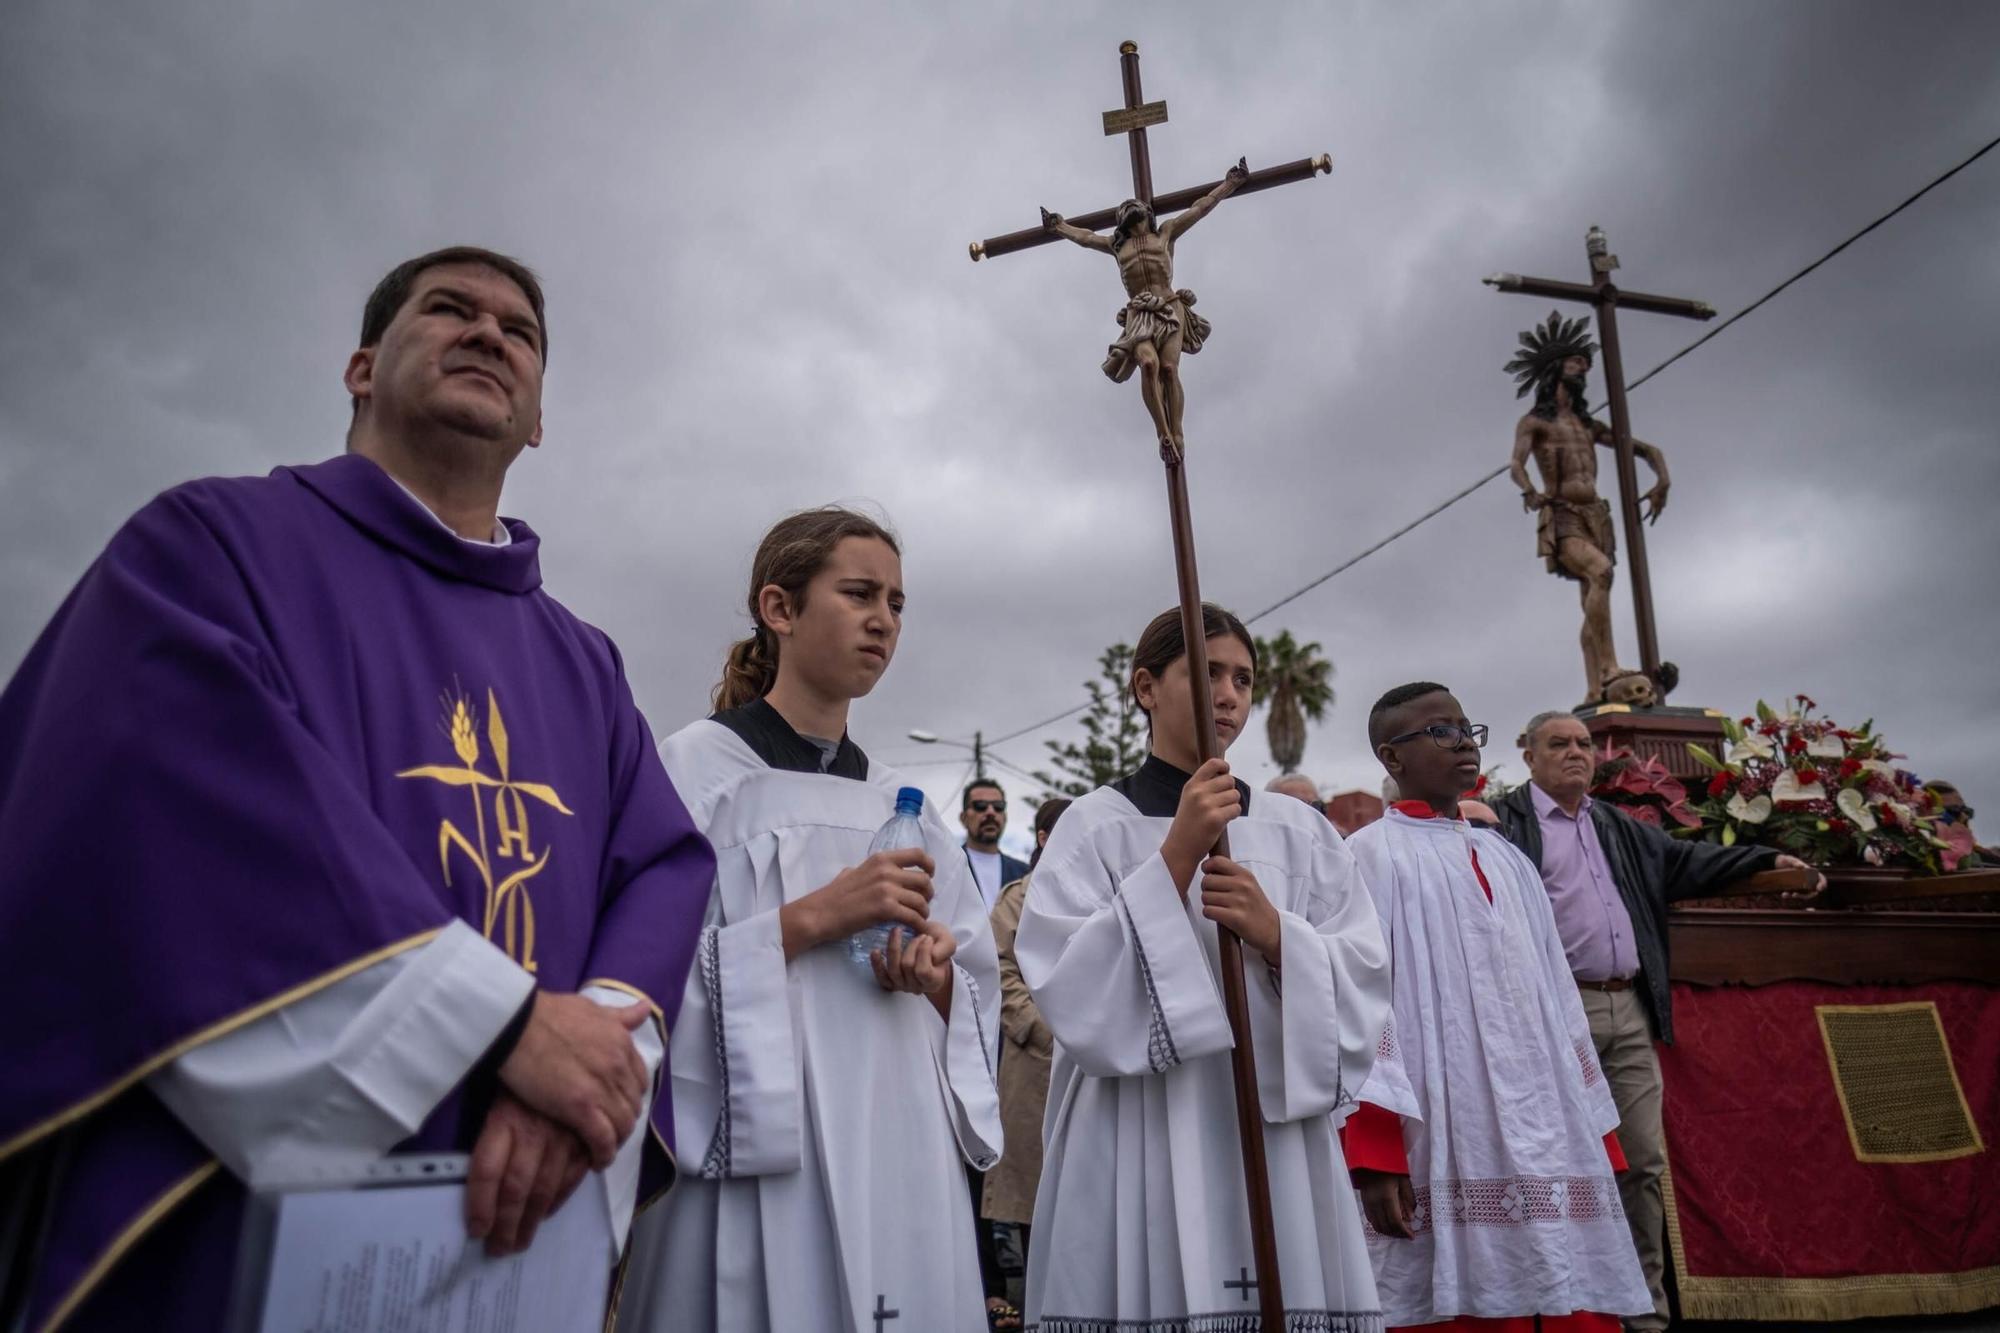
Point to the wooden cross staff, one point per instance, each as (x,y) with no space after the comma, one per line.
(1132,120)
(1604,294)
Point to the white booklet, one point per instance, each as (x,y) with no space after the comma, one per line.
(385,1251)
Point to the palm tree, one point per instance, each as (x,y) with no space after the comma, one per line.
(1295,680)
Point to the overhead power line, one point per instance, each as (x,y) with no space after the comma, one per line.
(1984,149)
(1433,512)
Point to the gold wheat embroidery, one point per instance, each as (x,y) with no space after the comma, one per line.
(508,906)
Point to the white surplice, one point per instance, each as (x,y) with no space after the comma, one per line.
(823,1124)
(1490,1062)
(1141,1221)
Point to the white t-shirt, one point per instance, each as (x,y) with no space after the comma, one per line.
(986,871)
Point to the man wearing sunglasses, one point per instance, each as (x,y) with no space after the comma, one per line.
(983,811)
(1610,879)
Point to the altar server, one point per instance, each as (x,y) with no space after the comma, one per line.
(828,1101)
(315,803)
(1483,1149)
(1141,1220)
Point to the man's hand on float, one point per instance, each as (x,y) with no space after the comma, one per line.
(1815,882)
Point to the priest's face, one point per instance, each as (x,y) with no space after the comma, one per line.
(842,639)
(1170,702)
(463,357)
(1561,758)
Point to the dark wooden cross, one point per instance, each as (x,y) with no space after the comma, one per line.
(1605,295)
(883,1314)
(1243,1283)
(1131,120)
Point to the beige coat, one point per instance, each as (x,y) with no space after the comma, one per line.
(1024,1074)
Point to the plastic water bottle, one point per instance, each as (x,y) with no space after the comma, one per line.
(903,831)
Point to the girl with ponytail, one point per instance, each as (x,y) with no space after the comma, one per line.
(819,1094)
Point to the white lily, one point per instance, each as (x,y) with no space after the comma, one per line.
(1789,788)
(1828,746)
(1754,810)
(1752,746)
(1855,806)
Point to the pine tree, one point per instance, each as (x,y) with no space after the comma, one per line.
(1114,733)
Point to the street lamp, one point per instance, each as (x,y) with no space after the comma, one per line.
(977,745)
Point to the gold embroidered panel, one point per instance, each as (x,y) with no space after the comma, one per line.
(1898,1089)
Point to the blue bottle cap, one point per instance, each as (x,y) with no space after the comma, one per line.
(909,800)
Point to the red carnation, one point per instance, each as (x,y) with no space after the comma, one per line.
(1849,768)
(1795,745)
(1749,722)
(1837,826)
(1718,784)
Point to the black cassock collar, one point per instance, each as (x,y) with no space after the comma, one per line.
(1155,788)
(765,731)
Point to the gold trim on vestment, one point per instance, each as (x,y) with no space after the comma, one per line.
(134,1231)
(79,1109)
(1865,1296)
(1861,1154)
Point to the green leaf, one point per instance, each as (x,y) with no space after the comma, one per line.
(1705,759)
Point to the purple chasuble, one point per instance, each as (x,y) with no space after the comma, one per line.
(286,726)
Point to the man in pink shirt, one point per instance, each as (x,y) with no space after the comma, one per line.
(1609,879)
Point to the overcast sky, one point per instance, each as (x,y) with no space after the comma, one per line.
(752,222)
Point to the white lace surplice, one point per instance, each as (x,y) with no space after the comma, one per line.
(825,1123)
(1490,1060)
(1141,1222)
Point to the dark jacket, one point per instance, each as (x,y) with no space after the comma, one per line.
(1010,870)
(1650,870)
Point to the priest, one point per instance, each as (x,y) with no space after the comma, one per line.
(1483,1148)
(330,832)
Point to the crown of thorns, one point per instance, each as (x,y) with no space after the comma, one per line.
(1546,346)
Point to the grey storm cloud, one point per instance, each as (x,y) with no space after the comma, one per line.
(752,223)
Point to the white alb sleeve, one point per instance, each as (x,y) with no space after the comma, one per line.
(333,1080)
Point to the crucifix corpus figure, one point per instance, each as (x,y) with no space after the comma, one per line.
(1574,533)
(1150,1051)
(1158,319)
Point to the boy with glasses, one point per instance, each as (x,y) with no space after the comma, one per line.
(1480,1146)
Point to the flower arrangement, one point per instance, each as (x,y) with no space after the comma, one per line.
(1645,790)
(1826,793)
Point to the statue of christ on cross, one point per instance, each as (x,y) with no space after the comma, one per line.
(1158,319)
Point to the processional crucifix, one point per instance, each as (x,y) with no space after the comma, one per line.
(1605,295)
(1158,327)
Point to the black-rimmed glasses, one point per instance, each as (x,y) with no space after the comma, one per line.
(998,807)
(1446,735)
